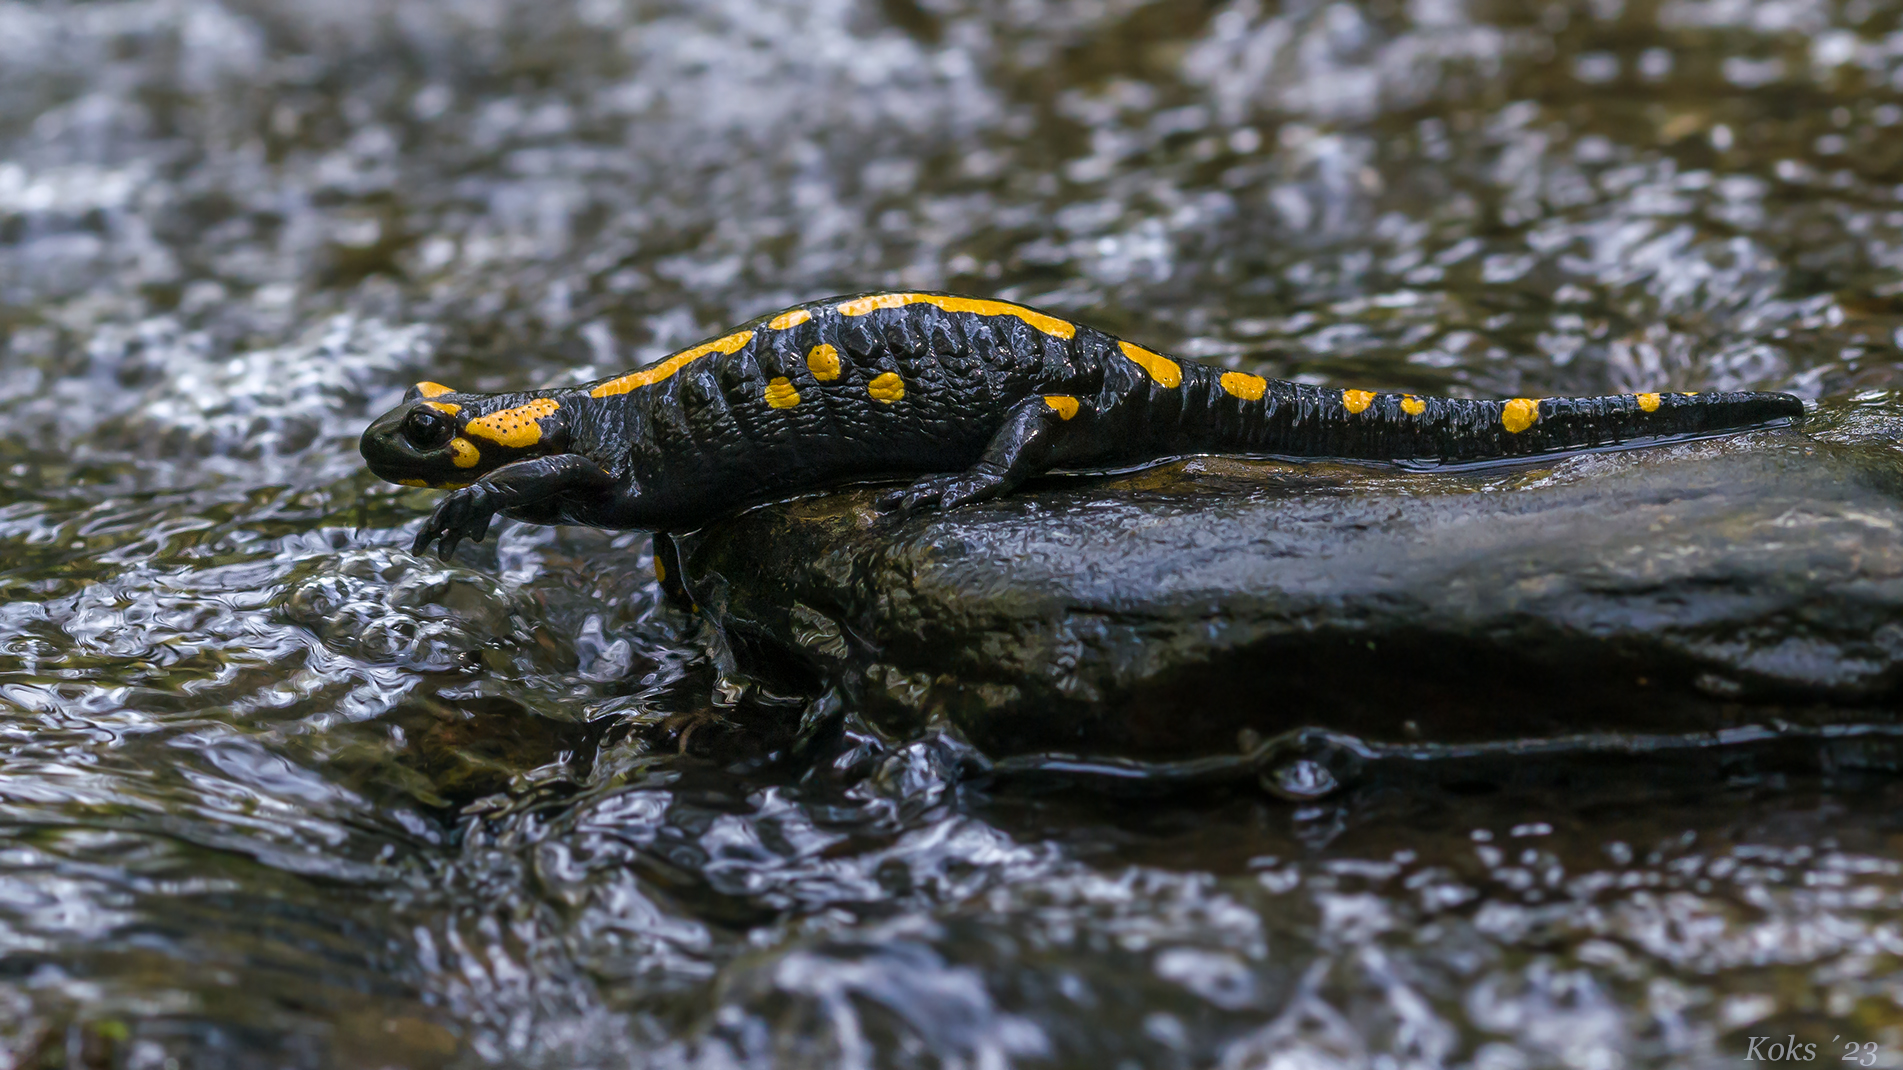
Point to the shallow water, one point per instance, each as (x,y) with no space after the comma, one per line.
(276,793)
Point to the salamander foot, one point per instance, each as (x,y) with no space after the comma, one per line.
(943,492)
(462,514)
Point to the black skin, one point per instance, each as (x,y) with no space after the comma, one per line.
(963,398)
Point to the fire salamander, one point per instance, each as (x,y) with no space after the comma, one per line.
(964,396)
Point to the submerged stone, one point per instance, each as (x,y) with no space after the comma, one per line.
(1200,607)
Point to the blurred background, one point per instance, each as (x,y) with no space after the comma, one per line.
(274,793)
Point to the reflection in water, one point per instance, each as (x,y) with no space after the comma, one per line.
(277,794)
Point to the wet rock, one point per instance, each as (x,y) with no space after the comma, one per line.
(1202,606)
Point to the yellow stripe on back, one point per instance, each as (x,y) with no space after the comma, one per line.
(1050,325)
(651,375)
(1243,385)
(1165,371)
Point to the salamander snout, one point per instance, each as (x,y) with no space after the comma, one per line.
(420,444)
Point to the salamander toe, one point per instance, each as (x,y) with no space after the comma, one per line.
(462,514)
(942,492)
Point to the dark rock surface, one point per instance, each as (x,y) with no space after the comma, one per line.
(1158,615)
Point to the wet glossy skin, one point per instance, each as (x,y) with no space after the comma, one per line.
(973,395)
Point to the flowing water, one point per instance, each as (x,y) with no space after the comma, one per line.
(275,793)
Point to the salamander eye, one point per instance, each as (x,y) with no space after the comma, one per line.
(426,430)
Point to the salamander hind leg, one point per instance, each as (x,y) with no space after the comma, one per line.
(1028,443)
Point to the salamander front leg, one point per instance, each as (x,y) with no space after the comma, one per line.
(465,513)
(1027,444)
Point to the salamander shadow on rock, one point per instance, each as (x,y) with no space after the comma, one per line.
(964,397)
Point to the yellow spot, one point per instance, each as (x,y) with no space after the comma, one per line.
(448,408)
(433,390)
(1048,324)
(514,428)
(451,486)
(780,393)
(1165,371)
(463,453)
(887,388)
(786,321)
(823,362)
(651,375)
(412,483)
(1519,414)
(1356,400)
(1412,405)
(1065,405)
(660,570)
(1243,385)
(1648,402)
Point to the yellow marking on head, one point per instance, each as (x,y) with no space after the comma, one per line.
(823,362)
(1412,405)
(412,482)
(447,408)
(1648,402)
(433,390)
(1165,371)
(780,393)
(1245,386)
(514,428)
(463,453)
(1065,405)
(651,375)
(1357,400)
(887,388)
(1050,325)
(786,321)
(1519,414)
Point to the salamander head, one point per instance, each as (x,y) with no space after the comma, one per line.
(440,438)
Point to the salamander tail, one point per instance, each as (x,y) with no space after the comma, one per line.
(1484,430)
(1293,419)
